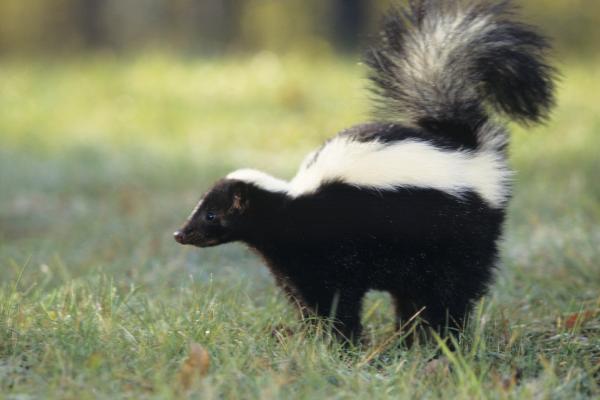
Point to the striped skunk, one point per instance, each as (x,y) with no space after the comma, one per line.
(414,203)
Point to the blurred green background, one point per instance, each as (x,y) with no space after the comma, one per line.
(115,116)
(201,27)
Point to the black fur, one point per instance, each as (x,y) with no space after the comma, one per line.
(433,251)
(427,248)
(390,133)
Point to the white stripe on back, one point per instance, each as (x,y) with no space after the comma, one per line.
(260,179)
(387,166)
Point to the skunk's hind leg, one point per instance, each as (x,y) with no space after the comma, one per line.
(447,321)
(408,315)
(417,320)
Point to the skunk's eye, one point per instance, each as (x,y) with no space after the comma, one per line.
(210,216)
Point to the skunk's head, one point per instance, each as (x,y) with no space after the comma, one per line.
(220,216)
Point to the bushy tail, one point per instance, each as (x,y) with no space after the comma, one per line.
(444,64)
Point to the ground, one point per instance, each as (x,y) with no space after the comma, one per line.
(101,159)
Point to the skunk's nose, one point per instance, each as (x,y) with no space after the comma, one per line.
(179,237)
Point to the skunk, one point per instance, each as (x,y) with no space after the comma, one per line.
(414,203)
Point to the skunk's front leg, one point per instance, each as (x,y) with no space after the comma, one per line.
(343,307)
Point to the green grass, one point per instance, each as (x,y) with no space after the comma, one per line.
(101,159)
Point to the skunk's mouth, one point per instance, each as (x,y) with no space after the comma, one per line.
(194,239)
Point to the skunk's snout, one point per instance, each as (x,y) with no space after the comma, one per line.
(179,237)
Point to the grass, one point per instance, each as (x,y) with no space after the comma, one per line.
(101,159)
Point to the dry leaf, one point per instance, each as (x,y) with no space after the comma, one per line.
(195,366)
(580,318)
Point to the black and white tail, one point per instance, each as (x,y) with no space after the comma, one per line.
(445,64)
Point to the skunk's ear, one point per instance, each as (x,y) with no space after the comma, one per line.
(239,196)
